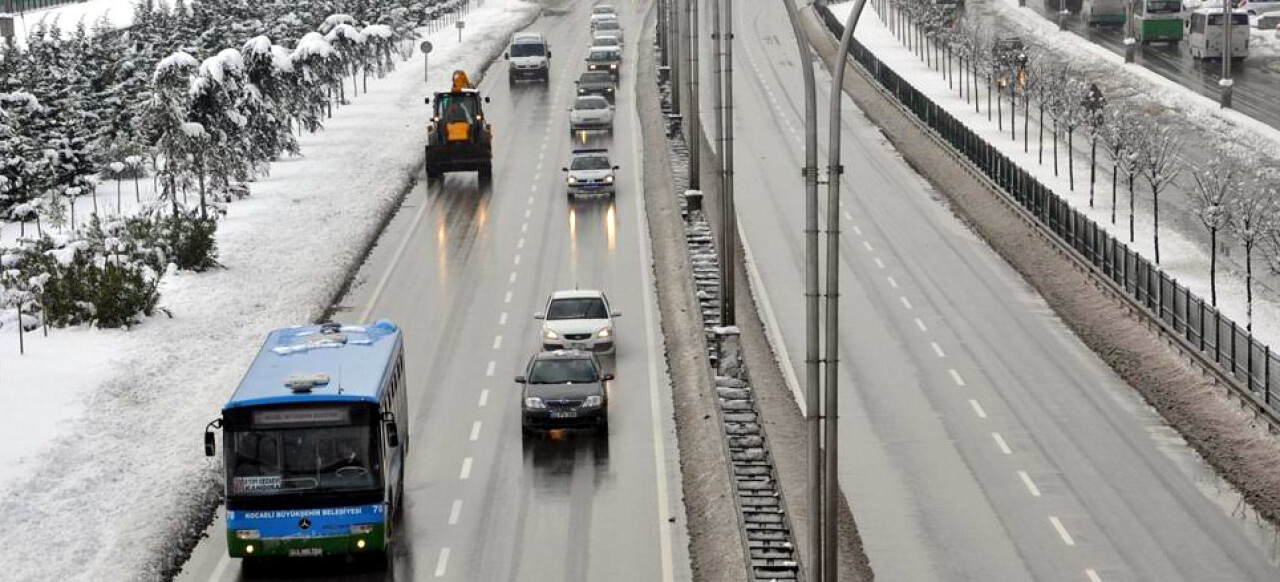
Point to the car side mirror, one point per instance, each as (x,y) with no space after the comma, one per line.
(486,99)
(209,446)
(615,314)
(577,82)
(539,315)
(607,377)
(393,436)
(521,380)
(564,169)
(427,100)
(568,109)
(616,168)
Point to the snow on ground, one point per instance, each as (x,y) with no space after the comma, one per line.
(118,12)
(103,459)
(1185,260)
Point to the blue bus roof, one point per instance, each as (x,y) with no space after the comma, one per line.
(354,359)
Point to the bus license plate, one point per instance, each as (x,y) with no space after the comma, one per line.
(306,552)
(565,414)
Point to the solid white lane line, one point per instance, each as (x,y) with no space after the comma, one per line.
(1004,447)
(977,409)
(507,298)
(867,245)
(512,278)
(492,366)
(517,260)
(442,564)
(484,397)
(920,324)
(475,431)
(937,349)
(497,342)
(465,473)
(520,243)
(1031,486)
(892,283)
(502,319)
(905,303)
(879,263)
(221,569)
(395,259)
(1062,531)
(455,512)
(956,377)
(1093,576)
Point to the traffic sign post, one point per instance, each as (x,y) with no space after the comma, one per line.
(425,47)
(460,24)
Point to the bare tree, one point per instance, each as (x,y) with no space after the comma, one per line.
(1095,112)
(1119,132)
(1214,198)
(1071,113)
(1159,164)
(1042,79)
(1253,219)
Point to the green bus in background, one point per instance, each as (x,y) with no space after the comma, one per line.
(1157,20)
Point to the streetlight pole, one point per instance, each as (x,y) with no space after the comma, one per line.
(675,39)
(730,205)
(1130,43)
(1225,82)
(717,113)
(693,115)
(811,345)
(832,422)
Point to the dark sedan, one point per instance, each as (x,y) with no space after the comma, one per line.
(596,83)
(564,389)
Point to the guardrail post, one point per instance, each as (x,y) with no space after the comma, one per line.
(1233,348)
(1266,375)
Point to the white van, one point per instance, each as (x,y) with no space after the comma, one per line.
(1205,37)
(530,57)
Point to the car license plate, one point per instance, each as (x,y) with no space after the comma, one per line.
(564,414)
(577,346)
(306,552)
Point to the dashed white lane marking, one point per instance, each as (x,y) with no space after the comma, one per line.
(517,260)
(905,303)
(977,409)
(955,376)
(520,243)
(937,349)
(465,473)
(497,342)
(455,512)
(542,154)
(484,398)
(528,212)
(475,431)
(879,263)
(1093,576)
(524,227)
(857,230)
(502,319)
(532,188)
(507,298)
(1062,531)
(920,324)
(529,201)
(536,175)
(512,278)
(1031,486)
(544,144)
(490,368)
(442,564)
(867,245)
(1004,447)
(848,216)
(892,283)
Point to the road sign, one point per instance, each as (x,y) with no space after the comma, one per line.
(460,24)
(425,47)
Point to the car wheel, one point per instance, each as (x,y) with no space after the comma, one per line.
(527,432)
(602,427)
(486,171)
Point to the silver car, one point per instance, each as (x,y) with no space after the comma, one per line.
(579,319)
(591,112)
(608,27)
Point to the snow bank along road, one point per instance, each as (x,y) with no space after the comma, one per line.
(981,440)
(462,268)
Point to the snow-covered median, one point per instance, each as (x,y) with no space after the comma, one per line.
(102,466)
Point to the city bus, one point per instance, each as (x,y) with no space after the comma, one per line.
(1157,20)
(314,444)
(1205,35)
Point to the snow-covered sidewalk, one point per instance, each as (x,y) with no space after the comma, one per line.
(1183,257)
(102,468)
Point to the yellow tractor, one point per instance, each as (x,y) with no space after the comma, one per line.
(459,138)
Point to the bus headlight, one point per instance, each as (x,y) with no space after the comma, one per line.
(362,529)
(247,534)
(359,544)
(248,549)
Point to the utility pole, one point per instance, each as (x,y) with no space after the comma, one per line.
(693,116)
(832,418)
(726,221)
(674,39)
(730,205)
(812,381)
(1130,43)
(1225,82)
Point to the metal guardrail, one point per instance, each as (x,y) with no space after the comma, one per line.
(1201,330)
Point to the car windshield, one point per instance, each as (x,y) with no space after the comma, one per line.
(563,371)
(604,55)
(586,307)
(320,459)
(528,49)
(581,163)
(596,77)
(591,103)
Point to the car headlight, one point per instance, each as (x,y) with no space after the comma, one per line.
(550,333)
(593,402)
(613,67)
(581,90)
(534,402)
(604,333)
(247,534)
(608,179)
(362,529)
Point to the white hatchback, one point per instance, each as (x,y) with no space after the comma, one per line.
(578,319)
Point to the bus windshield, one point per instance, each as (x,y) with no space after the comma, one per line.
(265,462)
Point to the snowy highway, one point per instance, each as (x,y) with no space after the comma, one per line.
(981,439)
(462,268)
